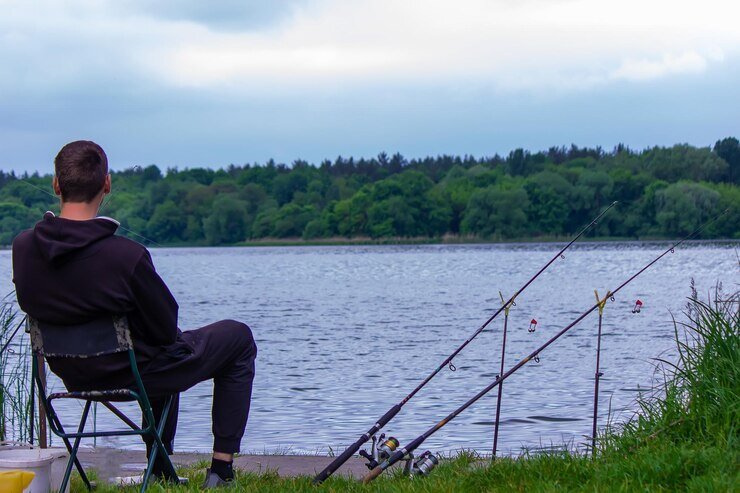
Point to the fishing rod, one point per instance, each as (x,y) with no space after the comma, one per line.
(501,372)
(392,444)
(408,450)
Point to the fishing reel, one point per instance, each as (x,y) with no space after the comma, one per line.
(381,449)
(421,465)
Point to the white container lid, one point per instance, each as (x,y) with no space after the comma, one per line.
(26,458)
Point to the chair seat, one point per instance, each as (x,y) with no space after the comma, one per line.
(115,395)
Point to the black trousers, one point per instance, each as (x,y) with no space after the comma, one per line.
(223,351)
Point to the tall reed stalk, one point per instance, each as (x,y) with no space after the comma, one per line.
(699,400)
(15,377)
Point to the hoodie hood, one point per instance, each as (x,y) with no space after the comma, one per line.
(57,237)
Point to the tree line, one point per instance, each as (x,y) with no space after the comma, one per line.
(663,192)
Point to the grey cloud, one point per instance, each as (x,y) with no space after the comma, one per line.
(226,15)
(199,128)
(58,85)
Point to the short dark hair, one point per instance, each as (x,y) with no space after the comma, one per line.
(81,168)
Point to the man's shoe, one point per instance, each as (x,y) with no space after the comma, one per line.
(213,480)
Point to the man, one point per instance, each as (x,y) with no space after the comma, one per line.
(73,268)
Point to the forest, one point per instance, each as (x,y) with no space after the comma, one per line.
(662,192)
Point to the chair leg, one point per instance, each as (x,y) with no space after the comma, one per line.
(149,418)
(77,464)
(56,423)
(148,471)
(120,415)
(158,448)
(161,448)
(73,451)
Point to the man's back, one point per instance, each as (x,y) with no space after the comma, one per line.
(67,272)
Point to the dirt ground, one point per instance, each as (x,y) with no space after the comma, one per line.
(110,462)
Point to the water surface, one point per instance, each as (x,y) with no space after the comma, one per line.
(345,332)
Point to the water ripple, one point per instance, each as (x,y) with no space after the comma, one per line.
(346,332)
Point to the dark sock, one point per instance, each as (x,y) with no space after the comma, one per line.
(223,468)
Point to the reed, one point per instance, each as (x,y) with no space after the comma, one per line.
(15,377)
(699,401)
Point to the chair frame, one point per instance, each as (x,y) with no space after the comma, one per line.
(105,397)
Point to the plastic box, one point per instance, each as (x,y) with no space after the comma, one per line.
(39,462)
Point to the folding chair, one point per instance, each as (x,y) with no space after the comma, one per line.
(103,336)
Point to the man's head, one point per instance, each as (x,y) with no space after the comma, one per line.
(81,172)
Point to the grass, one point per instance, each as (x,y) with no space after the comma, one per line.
(15,376)
(683,438)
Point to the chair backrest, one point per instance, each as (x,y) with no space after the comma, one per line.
(105,335)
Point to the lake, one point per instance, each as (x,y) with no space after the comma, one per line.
(345,332)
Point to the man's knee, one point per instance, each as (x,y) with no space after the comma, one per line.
(240,335)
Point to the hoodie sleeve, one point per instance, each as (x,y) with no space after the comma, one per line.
(154,302)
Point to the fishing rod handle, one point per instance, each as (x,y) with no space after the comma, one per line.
(352,449)
(337,463)
(377,471)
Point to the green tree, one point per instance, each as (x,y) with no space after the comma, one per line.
(729,150)
(227,222)
(392,217)
(548,210)
(493,211)
(34,194)
(390,195)
(729,201)
(151,173)
(685,162)
(254,195)
(168,223)
(455,190)
(291,220)
(263,223)
(350,216)
(682,207)
(14,218)
(286,185)
(317,228)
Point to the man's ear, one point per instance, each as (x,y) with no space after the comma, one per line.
(55,186)
(106,185)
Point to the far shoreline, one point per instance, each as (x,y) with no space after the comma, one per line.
(366,241)
(273,242)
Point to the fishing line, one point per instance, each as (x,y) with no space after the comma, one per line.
(107,201)
(393,411)
(401,454)
(103,205)
(5,346)
(27,182)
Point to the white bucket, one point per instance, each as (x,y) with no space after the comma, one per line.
(39,462)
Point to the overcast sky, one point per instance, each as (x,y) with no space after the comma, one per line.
(209,83)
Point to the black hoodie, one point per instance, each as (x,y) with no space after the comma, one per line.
(68,272)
